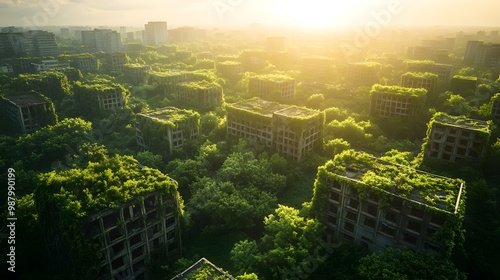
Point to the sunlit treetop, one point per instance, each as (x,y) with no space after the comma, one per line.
(420,75)
(461,77)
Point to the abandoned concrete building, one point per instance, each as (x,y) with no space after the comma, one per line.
(456,138)
(425,80)
(128,234)
(378,204)
(495,106)
(272,87)
(165,129)
(394,101)
(28,112)
(100,96)
(443,71)
(199,94)
(291,130)
(363,73)
(229,69)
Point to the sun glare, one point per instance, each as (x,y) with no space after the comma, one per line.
(315,13)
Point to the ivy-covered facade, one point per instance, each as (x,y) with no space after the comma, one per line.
(201,94)
(464,85)
(425,80)
(495,106)
(291,130)
(101,95)
(395,101)
(274,87)
(102,222)
(165,129)
(28,112)
(443,71)
(377,203)
(455,139)
(229,69)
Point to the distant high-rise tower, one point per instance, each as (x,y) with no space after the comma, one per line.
(155,33)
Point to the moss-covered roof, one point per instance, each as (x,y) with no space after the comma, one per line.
(400,180)
(258,106)
(369,64)
(461,122)
(274,77)
(298,112)
(170,116)
(228,62)
(420,75)
(469,78)
(411,62)
(397,90)
(27,99)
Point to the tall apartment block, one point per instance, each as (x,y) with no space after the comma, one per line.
(102,40)
(443,71)
(199,94)
(363,73)
(479,53)
(317,67)
(165,129)
(426,80)
(394,101)
(456,139)
(291,130)
(155,33)
(272,87)
(28,112)
(378,204)
(34,42)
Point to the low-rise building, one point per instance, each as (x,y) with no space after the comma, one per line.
(272,87)
(315,67)
(291,130)
(98,97)
(229,69)
(46,65)
(378,203)
(28,112)
(425,80)
(84,62)
(495,106)
(165,129)
(363,73)
(456,139)
(201,94)
(116,61)
(394,101)
(444,71)
(136,73)
(464,85)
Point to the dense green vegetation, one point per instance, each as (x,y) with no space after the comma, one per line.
(247,209)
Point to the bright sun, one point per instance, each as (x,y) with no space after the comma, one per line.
(315,13)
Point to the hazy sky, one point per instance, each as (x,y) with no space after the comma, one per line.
(310,13)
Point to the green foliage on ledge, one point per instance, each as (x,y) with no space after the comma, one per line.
(397,90)
(365,172)
(420,75)
(64,198)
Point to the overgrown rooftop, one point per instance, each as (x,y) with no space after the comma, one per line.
(375,174)
(27,99)
(259,106)
(461,122)
(397,90)
(170,116)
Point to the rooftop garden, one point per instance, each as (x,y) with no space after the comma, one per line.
(273,77)
(461,121)
(468,78)
(419,63)
(199,85)
(397,90)
(420,75)
(256,106)
(172,117)
(382,177)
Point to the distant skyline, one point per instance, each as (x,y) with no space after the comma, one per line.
(235,13)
